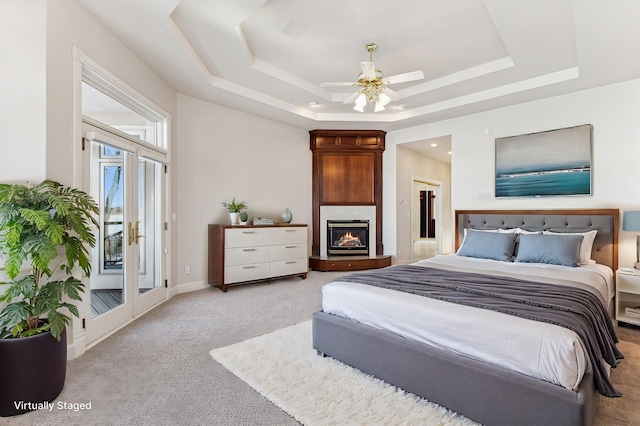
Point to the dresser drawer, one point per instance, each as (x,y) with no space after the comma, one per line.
(240,273)
(289,235)
(288,252)
(244,255)
(246,237)
(289,267)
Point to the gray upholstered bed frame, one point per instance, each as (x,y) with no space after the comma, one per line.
(487,394)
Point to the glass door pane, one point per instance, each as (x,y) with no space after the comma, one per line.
(147,225)
(107,280)
(149,235)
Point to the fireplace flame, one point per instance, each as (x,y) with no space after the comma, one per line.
(349,240)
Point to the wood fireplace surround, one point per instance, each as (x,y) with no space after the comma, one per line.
(347,171)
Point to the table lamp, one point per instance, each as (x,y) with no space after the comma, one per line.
(631,222)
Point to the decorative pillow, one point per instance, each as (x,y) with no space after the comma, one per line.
(518,231)
(553,249)
(465,230)
(488,245)
(586,246)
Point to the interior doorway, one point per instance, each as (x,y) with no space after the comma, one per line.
(425,218)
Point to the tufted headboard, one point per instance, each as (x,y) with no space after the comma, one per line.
(605,221)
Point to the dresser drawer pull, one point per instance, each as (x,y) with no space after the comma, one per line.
(248,232)
(248,267)
(289,262)
(248,249)
(290,246)
(290,230)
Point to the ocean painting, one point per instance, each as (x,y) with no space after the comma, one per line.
(551,163)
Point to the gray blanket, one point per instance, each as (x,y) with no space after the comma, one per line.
(577,309)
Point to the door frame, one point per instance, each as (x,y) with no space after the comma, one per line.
(76,335)
(135,304)
(438,195)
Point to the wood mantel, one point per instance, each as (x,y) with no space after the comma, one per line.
(347,170)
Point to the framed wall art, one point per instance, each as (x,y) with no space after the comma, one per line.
(551,163)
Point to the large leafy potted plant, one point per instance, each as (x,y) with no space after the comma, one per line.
(49,228)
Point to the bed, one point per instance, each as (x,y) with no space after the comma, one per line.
(485,379)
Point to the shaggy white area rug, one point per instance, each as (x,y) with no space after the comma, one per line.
(285,369)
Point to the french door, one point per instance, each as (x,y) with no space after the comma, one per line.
(127,275)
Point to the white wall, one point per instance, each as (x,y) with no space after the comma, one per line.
(410,163)
(69,26)
(223,154)
(614,112)
(37,112)
(22,89)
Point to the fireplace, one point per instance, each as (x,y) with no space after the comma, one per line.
(347,237)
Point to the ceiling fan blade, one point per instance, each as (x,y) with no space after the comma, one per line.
(395,96)
(368,69)
(351,98)
(335,84)
(403,78)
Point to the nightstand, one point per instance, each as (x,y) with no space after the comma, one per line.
(627,294)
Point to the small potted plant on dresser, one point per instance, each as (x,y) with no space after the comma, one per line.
(234,208)
(244,217)
(47,226)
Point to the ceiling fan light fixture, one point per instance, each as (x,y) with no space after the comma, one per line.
(373,83)
(360,101)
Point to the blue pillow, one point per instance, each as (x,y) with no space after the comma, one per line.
(488,245)
(552,249)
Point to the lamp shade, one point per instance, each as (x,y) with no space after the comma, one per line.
(631,221)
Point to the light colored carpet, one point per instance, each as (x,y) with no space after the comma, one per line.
(158,371)
(318,391)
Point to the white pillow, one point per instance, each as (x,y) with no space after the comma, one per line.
(524,231)
(518,231)
(585,247)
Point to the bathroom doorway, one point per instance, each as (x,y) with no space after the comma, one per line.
(426,218)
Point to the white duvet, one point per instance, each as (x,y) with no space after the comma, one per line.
(537,349)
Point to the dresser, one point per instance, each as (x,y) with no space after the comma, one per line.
(241,254)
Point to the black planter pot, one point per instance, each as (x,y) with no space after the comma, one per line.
(32,371)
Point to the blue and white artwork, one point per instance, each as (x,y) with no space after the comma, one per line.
(556,162)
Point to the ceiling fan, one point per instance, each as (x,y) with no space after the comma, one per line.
(374,84)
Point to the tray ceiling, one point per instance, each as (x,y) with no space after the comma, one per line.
(268,58)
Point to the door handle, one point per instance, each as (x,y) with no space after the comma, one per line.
(129,233)
(137,233)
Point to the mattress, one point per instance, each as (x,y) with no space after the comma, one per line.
(540,350)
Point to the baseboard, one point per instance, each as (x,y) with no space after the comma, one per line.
(189,287)
(78,347)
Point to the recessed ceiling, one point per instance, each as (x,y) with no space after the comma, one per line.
(269,58)
(439,148)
